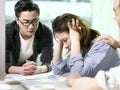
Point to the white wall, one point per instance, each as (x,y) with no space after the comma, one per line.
(51,9)
(101,13)
(103,17)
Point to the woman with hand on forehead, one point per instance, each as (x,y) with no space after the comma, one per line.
(86,56)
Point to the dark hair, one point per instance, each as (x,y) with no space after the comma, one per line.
(25,5)
(87,34)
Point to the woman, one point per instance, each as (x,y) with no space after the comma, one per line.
(86,56)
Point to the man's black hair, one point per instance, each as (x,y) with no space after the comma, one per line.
(25,5)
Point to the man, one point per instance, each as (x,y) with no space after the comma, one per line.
(104,80)
(26,38)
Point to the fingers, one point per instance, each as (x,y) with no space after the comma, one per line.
(71,24)
(74,25)
(109,40)
(29,63)
(29,70)
(99,39)
(105,38)
(77,22)
(29,67)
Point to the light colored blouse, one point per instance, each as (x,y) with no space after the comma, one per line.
(100,56)
(109,80)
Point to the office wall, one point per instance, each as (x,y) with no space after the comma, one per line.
(50,9)
(103,17)
(98,12)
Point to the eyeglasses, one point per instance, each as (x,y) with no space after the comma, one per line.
(27,22)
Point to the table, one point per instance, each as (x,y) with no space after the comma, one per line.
(40,78)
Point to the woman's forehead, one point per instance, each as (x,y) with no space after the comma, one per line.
(61,35)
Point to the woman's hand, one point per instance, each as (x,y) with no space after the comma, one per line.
(74,30)
(58,47)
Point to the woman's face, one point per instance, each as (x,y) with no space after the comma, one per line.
(65,38)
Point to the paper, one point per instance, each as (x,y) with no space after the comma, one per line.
(45,77)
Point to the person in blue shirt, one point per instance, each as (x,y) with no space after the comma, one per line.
(86,56)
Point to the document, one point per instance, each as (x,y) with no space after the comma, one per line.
(45,80)
(45,77)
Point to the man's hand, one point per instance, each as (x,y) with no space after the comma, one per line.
(41,69)
(29,68)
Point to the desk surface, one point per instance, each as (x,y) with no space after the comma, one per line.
(59,85)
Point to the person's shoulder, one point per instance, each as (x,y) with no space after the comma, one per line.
(11,24)
(43,31)
(11,28)
(100,44)
(43,27)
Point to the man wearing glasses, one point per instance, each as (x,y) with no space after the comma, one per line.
(26,38)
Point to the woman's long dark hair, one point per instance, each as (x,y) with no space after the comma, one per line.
(87,34)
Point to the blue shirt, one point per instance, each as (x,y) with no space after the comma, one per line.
(100,56)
